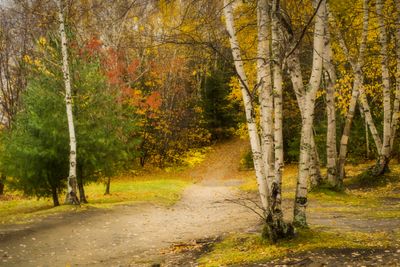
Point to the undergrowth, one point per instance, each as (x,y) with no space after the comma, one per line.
(251,248)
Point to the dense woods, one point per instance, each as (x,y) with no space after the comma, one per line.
(92,88)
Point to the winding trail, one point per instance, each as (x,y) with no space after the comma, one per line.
(136,235)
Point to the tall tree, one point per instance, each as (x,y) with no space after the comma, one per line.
(356,65)
(72,182)
(268,180)
(307,126)
(396,105)
(330,80)
(385,149)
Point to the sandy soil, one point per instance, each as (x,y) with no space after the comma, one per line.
(139,235)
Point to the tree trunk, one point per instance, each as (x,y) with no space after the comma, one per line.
(357,84)
(309,105)
(385,150)
(269,184)
(265,90)
(396,105)
(82,196)
(55,196)
(330,78)
(277,89)
(368,117)
(315,167)
(248,106)
(344,141)
(296,77)
(366,133)
(108,185)
(368,152)
(2,180)
(275,225)
(71,197)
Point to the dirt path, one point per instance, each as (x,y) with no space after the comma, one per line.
(135,235)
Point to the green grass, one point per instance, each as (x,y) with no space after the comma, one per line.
(250,248)
(380,202)
(358,200)
(156,186)
(168,191)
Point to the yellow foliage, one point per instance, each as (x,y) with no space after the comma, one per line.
(42,41)
(28,59)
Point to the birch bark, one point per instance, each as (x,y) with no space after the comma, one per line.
(396,105)
(72,183)
(309,105)
(330,78)
(385,150)
(277,91)
(265,89)
(269,183)
(357,85)
(296,77)
(248,105)
(275,227)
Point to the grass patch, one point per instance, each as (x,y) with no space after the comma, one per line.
(18,209)
(250,248)
(166,192)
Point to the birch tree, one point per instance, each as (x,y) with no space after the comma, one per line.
(265,89)
(72,183)
(384,145)
(309,105)
(396,105)
(330,79)
(385,149)
(296,77)
(277,90)
(356,65)
(268,176)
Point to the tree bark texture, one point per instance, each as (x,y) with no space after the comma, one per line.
(71,197)
(309,105)
(248,105)
(396,104)
(264,149)
(265,88)
(357,84)
(330,79)
(296,76)
(385,150)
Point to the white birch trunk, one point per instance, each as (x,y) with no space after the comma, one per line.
(385,150)
(265,89)
(296,77)
(368,118)
(309,105)
(248,105)
(396,105)
(357,84)
(72,183)
(276,188)
(344,141)
(315,168)
(366,132)
(277,91)
(330,78)
(358,76)
(275,228)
